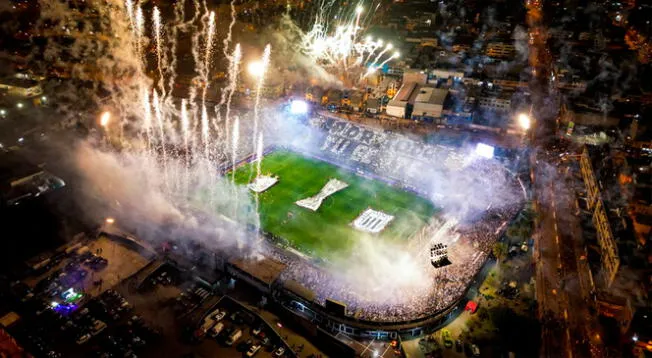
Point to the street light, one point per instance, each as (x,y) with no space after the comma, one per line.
(109,220)
(358,10)
(524,121)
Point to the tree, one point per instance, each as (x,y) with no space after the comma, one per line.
(500,251)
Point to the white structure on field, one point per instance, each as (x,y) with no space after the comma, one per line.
(372,221)
(314,202)
(262,183)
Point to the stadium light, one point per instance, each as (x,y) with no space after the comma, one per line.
(105,118)
(256,69)
(524,121)
(485,151)
(298,107)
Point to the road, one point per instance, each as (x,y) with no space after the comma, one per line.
(564,283)
(562,287)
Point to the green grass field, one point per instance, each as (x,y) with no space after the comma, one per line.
(327,231)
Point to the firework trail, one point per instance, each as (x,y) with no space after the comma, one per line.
(259,88)
(208,53)
(234,157)
(156,19)
(158,113)
(226,92)
(387,48)
(235,141)
(147,116)
(227,40)
(185,132)
(139,30)
(129,5)
(172,39)
(259,154)
(234,65)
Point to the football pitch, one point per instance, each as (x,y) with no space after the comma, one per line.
(328,232)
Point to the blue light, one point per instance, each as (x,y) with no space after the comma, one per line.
(298,107)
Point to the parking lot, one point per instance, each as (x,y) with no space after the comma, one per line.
(232,330)
(91,266)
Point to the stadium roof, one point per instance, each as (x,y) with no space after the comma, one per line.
(299,290)
(266,270)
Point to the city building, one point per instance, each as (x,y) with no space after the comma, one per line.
(21,87)
(500,103)
(415,76)
(500,50)
(426,41)
(586,123)
(440,73)
(640,331)
(429,103)
(314,94)
(373,106)
(397,107)
(20,180)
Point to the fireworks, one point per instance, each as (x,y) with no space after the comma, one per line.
(341,46)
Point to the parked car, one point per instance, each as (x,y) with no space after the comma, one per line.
(475,350)
(257,330)
(98,327)
(217,329)
(233,337)
(253,350)
(279,351)
(218,315)
(459,346)
(83,338)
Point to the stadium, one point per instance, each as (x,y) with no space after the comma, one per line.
(357,229)
(350,216)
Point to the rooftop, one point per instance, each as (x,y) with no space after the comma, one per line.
(405,92)
(18,82)
(266,270)
(431,95)
(14,167)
